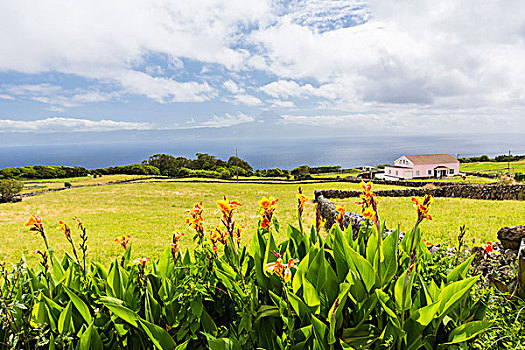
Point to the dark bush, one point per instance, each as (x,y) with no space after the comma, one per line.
(9,190)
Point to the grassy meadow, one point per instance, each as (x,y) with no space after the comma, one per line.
(493,167)
(150,212)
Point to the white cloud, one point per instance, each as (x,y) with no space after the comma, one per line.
(58,98)
(409,56)
(69,125)
(6,97)
(281,104)
(232,87)
(246,99)
(164,89)
(227,120)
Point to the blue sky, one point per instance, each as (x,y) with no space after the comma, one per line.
(401,66)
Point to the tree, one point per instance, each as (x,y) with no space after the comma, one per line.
(9,189)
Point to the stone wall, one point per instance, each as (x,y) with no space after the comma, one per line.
(328,212)
(472,191)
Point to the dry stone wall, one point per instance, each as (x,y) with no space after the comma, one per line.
(472,191)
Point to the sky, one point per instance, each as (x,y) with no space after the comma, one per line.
(397,66)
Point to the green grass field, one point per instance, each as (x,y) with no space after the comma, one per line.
(493,167)
(150,212)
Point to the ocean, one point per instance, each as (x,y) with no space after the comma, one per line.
(287,153)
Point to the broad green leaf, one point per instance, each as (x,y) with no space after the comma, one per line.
(158,336)
(461,270)
(90,339)
(454,292)
(320,330)
(390,251)
(208,324)
(426,314)
(82,308)
(466,331)
(384,300)
(115,306)
(300,308)
(166,265)
(407,285)
(364,269)
(116,281)
(65,322)
(361,337)
(310,296)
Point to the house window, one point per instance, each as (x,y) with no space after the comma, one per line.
(397,172)
(429,172)
(390,171)
(417,172)
(451,171)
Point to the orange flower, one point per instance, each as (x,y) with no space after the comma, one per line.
(267,203)
(33,220)
(226,207)
(265,223)
(174,248)
(302,199)
(282,271)
(177,236)
(63,226)
(123,241)
(488,247)
(427,243)
(78,221)
(370,214)
(424,207)
(196,210)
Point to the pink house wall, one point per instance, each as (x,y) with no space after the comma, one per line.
(403,165)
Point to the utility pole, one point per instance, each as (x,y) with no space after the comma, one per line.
(508,163)
(236,166)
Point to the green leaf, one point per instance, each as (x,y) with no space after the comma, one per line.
(398,290)
(384,300)
(65,322)
(90,339)
(82,308)
(116,281)
(300,308)
(364,269)
(320,330)
(390,252)
(208,324)
(360,337)
(158,336)
(454,292)
(115,306)
(426,314)
(466,331)
(166,265)
(461,270)
(310,296)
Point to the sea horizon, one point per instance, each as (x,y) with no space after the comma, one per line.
(348,152)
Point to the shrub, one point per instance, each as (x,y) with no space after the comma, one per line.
(9,189)
(308,292)
(67,184)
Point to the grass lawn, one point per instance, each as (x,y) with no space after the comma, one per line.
(493,167)
(47,184)
(150,212)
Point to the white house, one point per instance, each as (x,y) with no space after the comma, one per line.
(423,166)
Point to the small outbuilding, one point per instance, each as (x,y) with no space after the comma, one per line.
(423,166)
